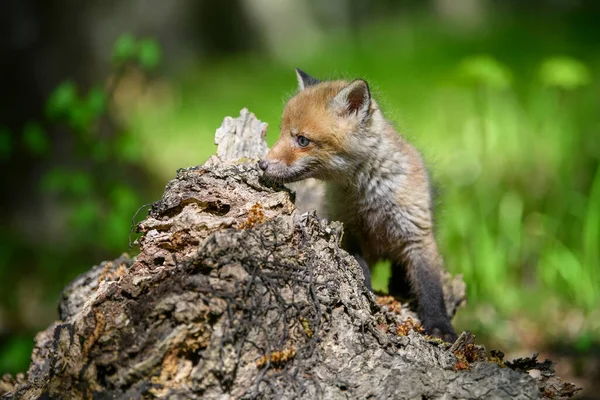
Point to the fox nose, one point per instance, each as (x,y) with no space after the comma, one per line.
(263,164)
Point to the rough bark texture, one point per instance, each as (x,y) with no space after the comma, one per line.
(235,294)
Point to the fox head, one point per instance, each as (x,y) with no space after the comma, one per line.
(321,130)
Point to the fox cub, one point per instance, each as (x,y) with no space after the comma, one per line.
(376,184)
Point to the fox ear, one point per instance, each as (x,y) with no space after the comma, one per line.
(354,99)
(305,80)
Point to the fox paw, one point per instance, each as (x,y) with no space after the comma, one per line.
(441,330)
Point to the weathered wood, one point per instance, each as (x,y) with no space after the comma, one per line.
(241,137)
(235,294)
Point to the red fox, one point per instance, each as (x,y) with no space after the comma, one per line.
(376,184)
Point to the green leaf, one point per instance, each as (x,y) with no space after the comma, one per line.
(127,148)
(61,100)
(96,101)
(35,139)
(5,142)
(80,184)
(124,48)
(485,70)
(80,118)
(149,54)
(564,73)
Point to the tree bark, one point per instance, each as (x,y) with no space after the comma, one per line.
(235,294)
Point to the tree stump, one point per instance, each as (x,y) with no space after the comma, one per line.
(236,294)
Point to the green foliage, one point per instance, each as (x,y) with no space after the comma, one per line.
(79,113)
(74,184)
(101,203)
(35,139)
(95,101)
(124,48)
(380,276)
(92,189)
(101,151)
(128,148)
(14,356)
(85,215)
(584,342)
(564,73)
(146,52)
(486,71)
(149,54)
(62,99)
(87,189)
(591,229)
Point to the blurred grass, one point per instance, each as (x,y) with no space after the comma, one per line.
(513,140)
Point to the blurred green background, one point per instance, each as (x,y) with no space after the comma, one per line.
(103,101)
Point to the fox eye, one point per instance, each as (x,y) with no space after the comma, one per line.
(302,141)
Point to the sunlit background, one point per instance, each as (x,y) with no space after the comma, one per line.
(103,101)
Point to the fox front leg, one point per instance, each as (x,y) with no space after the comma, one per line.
(423,270)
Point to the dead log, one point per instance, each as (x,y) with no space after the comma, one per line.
(236,294)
